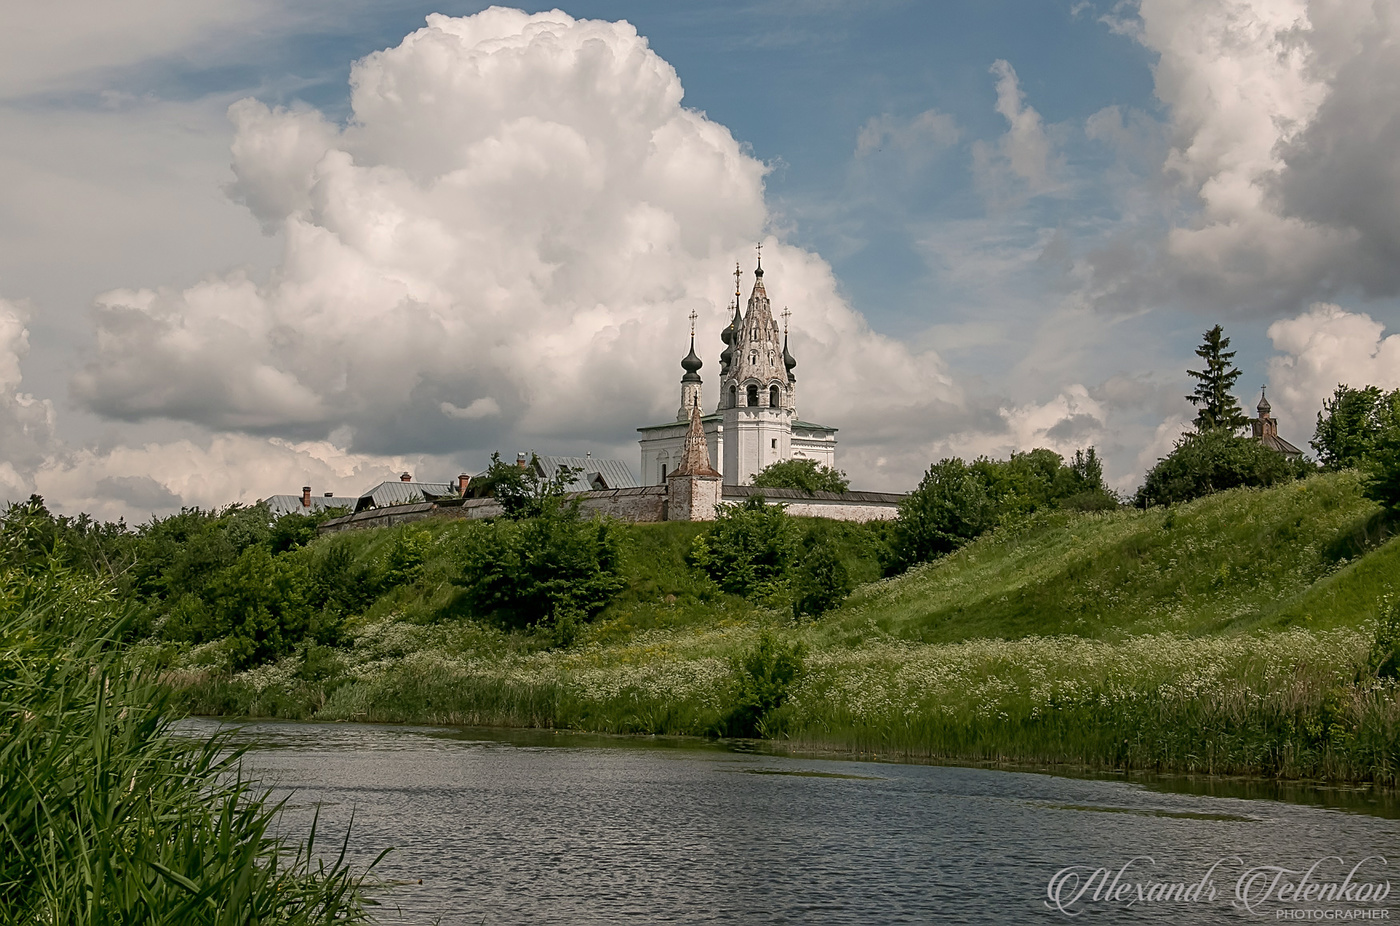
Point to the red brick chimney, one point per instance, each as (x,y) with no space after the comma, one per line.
(306,496)
(463,480)
(406,477)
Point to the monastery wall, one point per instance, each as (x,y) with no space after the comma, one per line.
(643,504)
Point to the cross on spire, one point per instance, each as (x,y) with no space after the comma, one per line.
(759,247)
(737,274)
(692,324)
(787,313)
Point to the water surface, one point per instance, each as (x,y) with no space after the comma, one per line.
(506,827)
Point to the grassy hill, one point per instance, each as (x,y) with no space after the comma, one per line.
(1227,635)
(1307,554)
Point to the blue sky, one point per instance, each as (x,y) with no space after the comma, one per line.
(1038,207)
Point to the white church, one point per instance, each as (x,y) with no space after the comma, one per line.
(755,422)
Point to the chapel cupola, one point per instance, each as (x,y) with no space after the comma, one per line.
(691,384)
(1264,425)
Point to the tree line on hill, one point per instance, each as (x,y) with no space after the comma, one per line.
(256,584)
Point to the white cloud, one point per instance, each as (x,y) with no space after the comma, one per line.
(916,140)
(1320,349)
(1284,116)
(136,482)
(1025,152)
(519,208)
(26,423)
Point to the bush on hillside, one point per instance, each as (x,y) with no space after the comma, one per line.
(822,581)
(750,549)
(805,475)
(950,507)
(549,572)
(761,681)
(1028,482)
(1213,461)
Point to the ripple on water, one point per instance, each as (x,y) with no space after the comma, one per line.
(536,827)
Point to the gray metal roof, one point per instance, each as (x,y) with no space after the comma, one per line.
(403,493)
(596,473)
(680,423)
(291,504)
(809,426)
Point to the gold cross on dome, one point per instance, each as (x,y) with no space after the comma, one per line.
(787,313)
(759,247)
(692,323)
(737,273)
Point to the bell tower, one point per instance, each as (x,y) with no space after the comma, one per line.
(756,388)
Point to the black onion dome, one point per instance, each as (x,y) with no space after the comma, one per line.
(1263,406)
(788,360)
(691,364)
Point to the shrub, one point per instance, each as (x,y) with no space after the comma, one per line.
(761,681)
(551,571)
(950,507)
(821,582)
(262,604)
(1213,461)
(805,475)
(1384,659)
(749,550)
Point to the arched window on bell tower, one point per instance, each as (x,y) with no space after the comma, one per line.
(773,398)
(733,396)
(753,395)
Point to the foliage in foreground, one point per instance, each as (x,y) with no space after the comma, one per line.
(108,816)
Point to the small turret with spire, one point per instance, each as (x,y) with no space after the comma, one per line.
(691,384)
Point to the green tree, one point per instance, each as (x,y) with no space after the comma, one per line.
(552,571)
(1348,425)
(805,475)
(523,492)
(262,605)
(1382,463)
(950,507)
(1215,404)
(750,549)
(1213,461)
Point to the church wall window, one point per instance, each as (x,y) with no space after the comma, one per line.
(663,472)
(753,395)
(773,399)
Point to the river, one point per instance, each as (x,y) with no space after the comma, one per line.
(514,827)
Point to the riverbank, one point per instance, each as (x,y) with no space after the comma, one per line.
(1233,635)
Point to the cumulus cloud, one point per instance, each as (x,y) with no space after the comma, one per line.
(137,482)
(26,423)
(1320,349)
(501,244)
(1284,119)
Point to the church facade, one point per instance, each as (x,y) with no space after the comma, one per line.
(754,422)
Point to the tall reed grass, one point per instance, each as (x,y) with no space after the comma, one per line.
(109,816)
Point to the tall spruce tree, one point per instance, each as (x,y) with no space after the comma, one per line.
(1217,408)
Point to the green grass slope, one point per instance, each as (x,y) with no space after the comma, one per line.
(1312,554)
